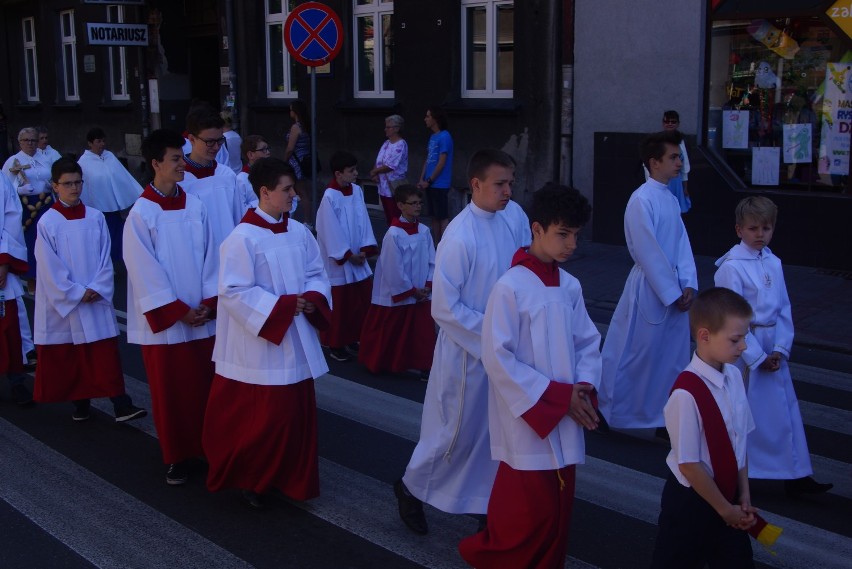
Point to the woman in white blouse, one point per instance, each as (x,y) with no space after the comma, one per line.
(391,165)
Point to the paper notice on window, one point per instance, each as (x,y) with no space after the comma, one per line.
(798,143)
(765,165)
(836,119)
(734,129)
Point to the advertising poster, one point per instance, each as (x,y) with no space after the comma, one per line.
(836,120)
(734,129)
(797,143)
(765,165)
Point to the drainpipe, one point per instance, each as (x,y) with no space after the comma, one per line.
(566,146)
(232,65)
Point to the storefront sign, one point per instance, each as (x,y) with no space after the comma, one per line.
(836,120)
(117,34)
(841,14)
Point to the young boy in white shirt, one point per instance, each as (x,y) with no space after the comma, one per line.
(777,449)
(260,430)
(346,240)
(541,352)
(76,333)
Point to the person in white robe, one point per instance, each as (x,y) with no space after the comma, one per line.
(233,142)
(777,449)
(45,151)
(647,344)
(451,467)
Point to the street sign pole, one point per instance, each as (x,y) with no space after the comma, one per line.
(314,204)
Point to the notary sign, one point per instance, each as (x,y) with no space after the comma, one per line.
(117,34)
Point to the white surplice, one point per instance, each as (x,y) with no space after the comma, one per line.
(777,449)
(344,225)
(169,256)
(11,236)
(533,334)
(108,185)
(257,268)
(73,255)
(245,194)
(219,194)
(37,175)
(451,467)
(407,261)
(647,344)
(49,154)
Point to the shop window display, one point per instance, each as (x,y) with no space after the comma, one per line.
(780,102)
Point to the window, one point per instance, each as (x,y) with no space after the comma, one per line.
(488,48)
(69,55)
(374,46)
(30,60)
(117,60)
(780,102)
(279,66)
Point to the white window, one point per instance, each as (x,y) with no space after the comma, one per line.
(374,48)
(117,60)
(488,48)
(279,66)
(69,55)
(30,60)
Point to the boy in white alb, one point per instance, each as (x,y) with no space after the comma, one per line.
(75,329)
(451,468)
(648,339)
(398,332)
(172,266)
(346,240)
(213,183)
(777,449)
(260,430)
(541,352)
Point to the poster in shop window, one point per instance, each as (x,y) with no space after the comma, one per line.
(836,119)
(765,165)
(734,129)
(797,143)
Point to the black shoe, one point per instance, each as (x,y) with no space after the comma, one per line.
(32,360)
(483,522)
(806,485)
(253,499)
(177,474)
(339,354)
(424,374)
(22,396)
(81,414)
(662,433)
(410,509)
(354,347)
(124,414)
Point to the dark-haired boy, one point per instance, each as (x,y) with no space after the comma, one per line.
(541,352)
(172,267)
(346,239)
(110,188)
(260,430)
(706,503)
(214,183)
(75,329)
(451,466)
(398,332)
(648,339)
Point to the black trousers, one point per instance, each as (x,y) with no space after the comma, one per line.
(692,534)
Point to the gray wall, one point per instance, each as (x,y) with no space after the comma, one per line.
(634,60)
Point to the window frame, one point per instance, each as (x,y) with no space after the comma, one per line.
(121,53)
(376,9)
(272,19)
(491,50)
(69,38)
(29,47)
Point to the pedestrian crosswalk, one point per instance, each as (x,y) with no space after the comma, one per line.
(90,515)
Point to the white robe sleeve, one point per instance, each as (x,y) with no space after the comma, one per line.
(784,323)
(316,279)
(210,264)
(103,282)
(12,235)
(330,231)
(684,171)
(519,385)
(587,345)
(247,303)
(61,292)
(461,323)
(150,280)
(367,239)
(647,253)
(431,273)
(727,276)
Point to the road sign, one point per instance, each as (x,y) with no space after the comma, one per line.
(313,34)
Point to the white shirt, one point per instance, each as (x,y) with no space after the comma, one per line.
(108,185)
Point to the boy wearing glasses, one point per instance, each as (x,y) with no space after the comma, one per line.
(214,183)
(398,332)
(75,329)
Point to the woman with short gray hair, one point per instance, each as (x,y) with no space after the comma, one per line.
(391,165)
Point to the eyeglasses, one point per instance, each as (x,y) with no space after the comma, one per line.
(265,149)
(29,140)
(213,142)
(387,126)
(415,204)
(71,184)
(670,121)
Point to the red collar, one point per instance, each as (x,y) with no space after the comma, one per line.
(200,171)
(245,168)
(345,190)
(252,218)
(411,228)
(173,202)
(70,212)
(548,273)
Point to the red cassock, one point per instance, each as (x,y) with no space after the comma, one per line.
(179,376)
(67,372)
(262,437)
(349,303)
(10,344)
(398,338)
